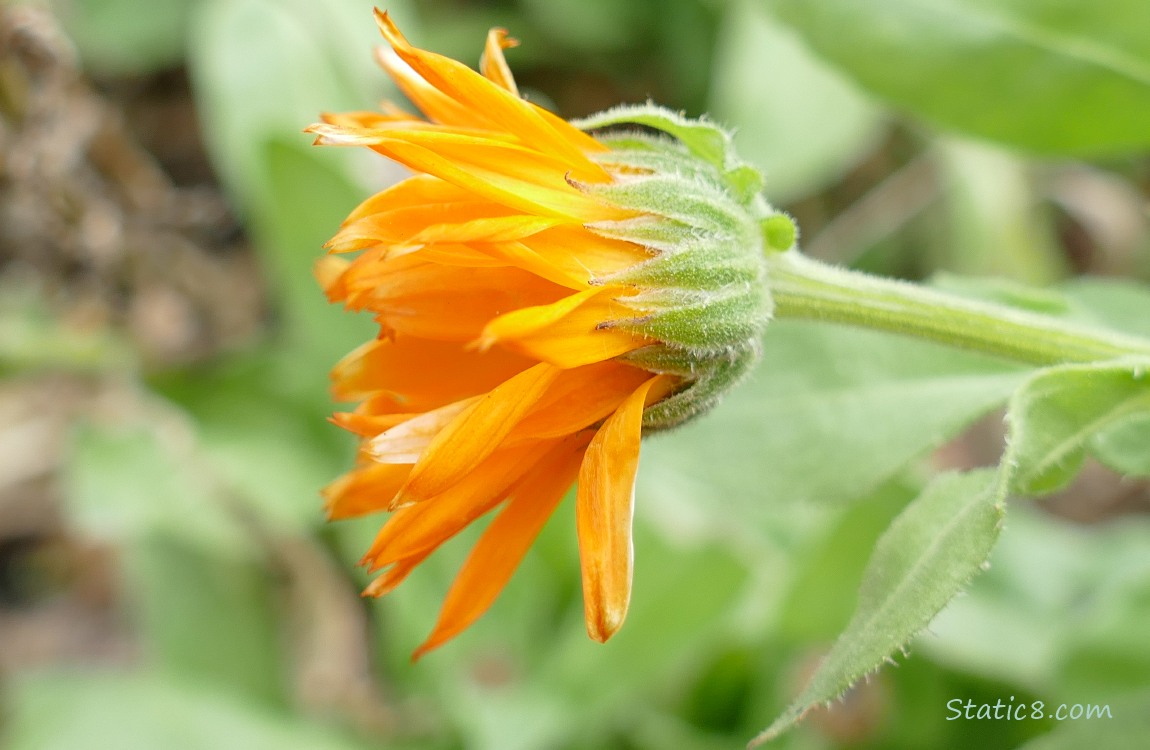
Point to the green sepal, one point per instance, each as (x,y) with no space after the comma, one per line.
(705,139)
(660,156)
(703,322)
(657,233)
(703,263)
(705,388)
(747,182)
(703,293)
(692,202)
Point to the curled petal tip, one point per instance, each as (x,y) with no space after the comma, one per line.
(606,623)
(505,41)
(389,30)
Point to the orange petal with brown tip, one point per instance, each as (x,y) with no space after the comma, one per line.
(499,551)
(476,433)
(604,511)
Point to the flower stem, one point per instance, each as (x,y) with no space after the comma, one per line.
(807,289)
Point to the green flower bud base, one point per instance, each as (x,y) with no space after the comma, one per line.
(709,232)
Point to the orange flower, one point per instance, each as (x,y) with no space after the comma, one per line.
(525,337)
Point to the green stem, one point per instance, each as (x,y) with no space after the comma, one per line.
(807,289)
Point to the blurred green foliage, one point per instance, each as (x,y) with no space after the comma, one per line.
(755,524)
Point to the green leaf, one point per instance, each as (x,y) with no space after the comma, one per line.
(207,616)
(943,538)
(127,36)
(1001,291)
(274,449)
(862,402)
(311,197)
(593,26)
(793,117)
(1121,304)
(822,594)
(1062,610)
(564,689)
(924,559)
(995,229)
(127,480)
(1125,447)
(200,593)
(145,712)
(1057,412)
(258,92)
(1052,76)
(265,69)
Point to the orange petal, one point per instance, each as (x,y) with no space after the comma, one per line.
(367,489)
(459,255)
(451,303)
(397,224)
(493,65)
(417,190)
(396,574)
(421,374)
(579,398)
(520,255)
(570,332)
(514,176)
(576,247)
(497,105)
(524,162)
(438,107)
(504,543)
(369,119)
(417,528)
(406,442)
(494,229)
(476,433)
(368,424)
(604,511)
(329,272)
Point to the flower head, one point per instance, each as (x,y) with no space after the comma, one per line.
(544,296)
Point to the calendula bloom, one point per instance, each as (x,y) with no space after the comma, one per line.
(544,296)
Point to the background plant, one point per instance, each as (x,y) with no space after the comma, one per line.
(168,580)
